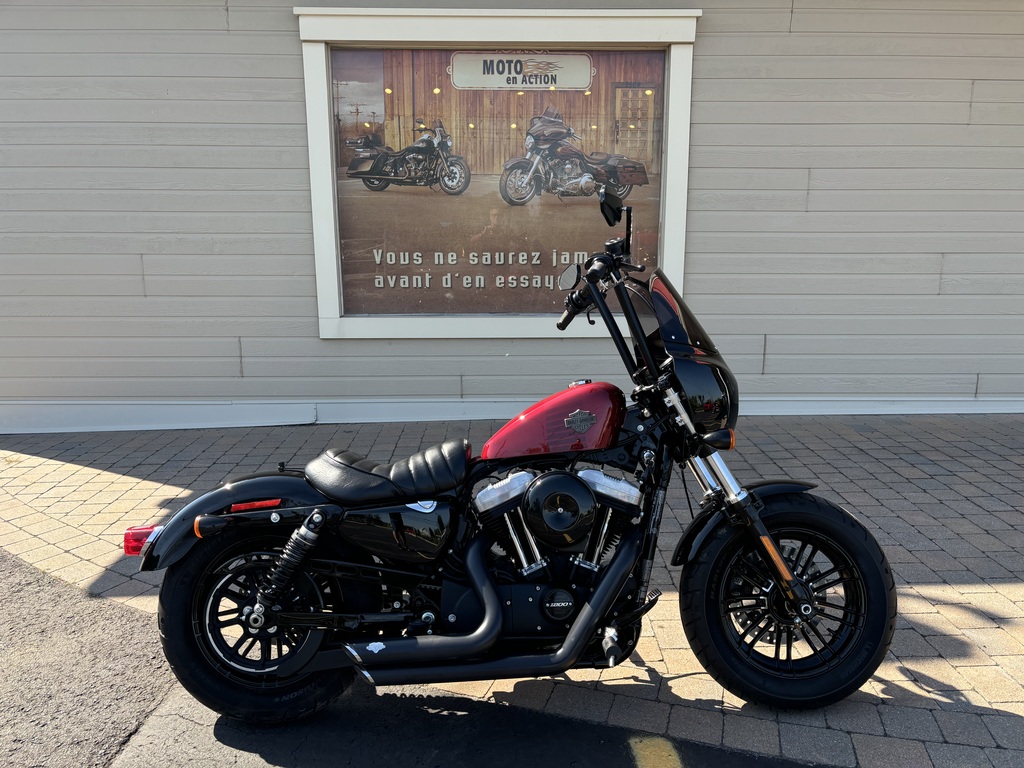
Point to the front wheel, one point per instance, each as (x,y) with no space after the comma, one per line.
(742,630)
(516,185)
(456,180)
(227,665)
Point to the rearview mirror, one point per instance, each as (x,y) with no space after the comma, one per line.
(611,206)
(569,278)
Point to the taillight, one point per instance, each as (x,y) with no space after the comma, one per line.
(135,538)
(246,506)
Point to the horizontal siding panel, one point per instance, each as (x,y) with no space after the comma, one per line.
(892,364)
(515,349)
(71,285)
(142,368)
(146,243)
(245,19)
(985,285)
(881,324)
(155,134)
(747,200)
(997,114)
(740,156)
(149,327)
(170,88)
(132,307)
(291,387)
(520,386)
(747,178)
(874,345)
(916,179)
(856,306)
(767,112)
(831,90)
(220,265)
(843,43)
(140,179)
(256,287)
(995,385)
(976,21)
(754,285)
(972,221)
(916,200)
(119,346)
(865,134)
(973,263)
(564,368)
(741,19)
(65,42)
(849,242)
(813,264)
(182,223)
(74,264)
(866,67)
(867,385)
(151,110)
(1011,91)
(155,158)
(131,202)
(58,64)
(121,17)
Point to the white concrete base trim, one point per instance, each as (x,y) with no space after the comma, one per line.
(37,416)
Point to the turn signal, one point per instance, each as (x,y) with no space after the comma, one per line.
(721,440)
(135,538)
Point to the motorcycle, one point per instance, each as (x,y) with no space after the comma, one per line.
(532,557)
(554,164)
(424,163)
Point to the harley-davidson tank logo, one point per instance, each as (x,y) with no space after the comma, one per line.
(580,421)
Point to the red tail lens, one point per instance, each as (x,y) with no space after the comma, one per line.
(246,506)
(135,538)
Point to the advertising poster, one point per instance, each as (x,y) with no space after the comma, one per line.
(467,180)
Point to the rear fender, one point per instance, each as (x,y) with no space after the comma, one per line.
(177,537)
(698,531)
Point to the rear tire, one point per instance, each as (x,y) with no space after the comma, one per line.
(222,663)
(376,185)
(737,623)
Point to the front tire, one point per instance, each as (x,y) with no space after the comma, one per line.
(456,180)
(740,629)
(516,187)
(230,668)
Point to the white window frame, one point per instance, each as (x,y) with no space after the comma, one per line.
(669,30)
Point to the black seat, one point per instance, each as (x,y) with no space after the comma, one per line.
(353,479)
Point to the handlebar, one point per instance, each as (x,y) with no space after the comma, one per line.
(575,302)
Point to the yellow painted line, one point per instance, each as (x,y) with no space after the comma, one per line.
(654,752)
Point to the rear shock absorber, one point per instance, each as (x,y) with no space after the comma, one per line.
(295,552)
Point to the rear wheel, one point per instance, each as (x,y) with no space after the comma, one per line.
(227,665)
(376,185)
(620,190)
(742,631)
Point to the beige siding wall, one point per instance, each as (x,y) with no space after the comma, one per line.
(855,216)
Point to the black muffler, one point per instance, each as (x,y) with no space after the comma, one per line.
(537,665)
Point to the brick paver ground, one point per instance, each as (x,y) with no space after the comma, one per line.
(941,493)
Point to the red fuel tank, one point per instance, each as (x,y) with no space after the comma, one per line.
(583,417)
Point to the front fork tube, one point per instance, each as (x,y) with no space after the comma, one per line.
(714,476)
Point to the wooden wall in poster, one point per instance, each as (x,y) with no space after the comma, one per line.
(413,75)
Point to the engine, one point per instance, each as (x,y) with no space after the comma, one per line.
(529,514)
(571,179)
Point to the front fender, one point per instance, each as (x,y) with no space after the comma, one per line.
(697,532)
(177,536)
(517,162)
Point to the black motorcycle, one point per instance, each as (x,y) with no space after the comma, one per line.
(532,557)
(424,163)
(554,164)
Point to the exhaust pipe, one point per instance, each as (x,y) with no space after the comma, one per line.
(426,649)
(538,665)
